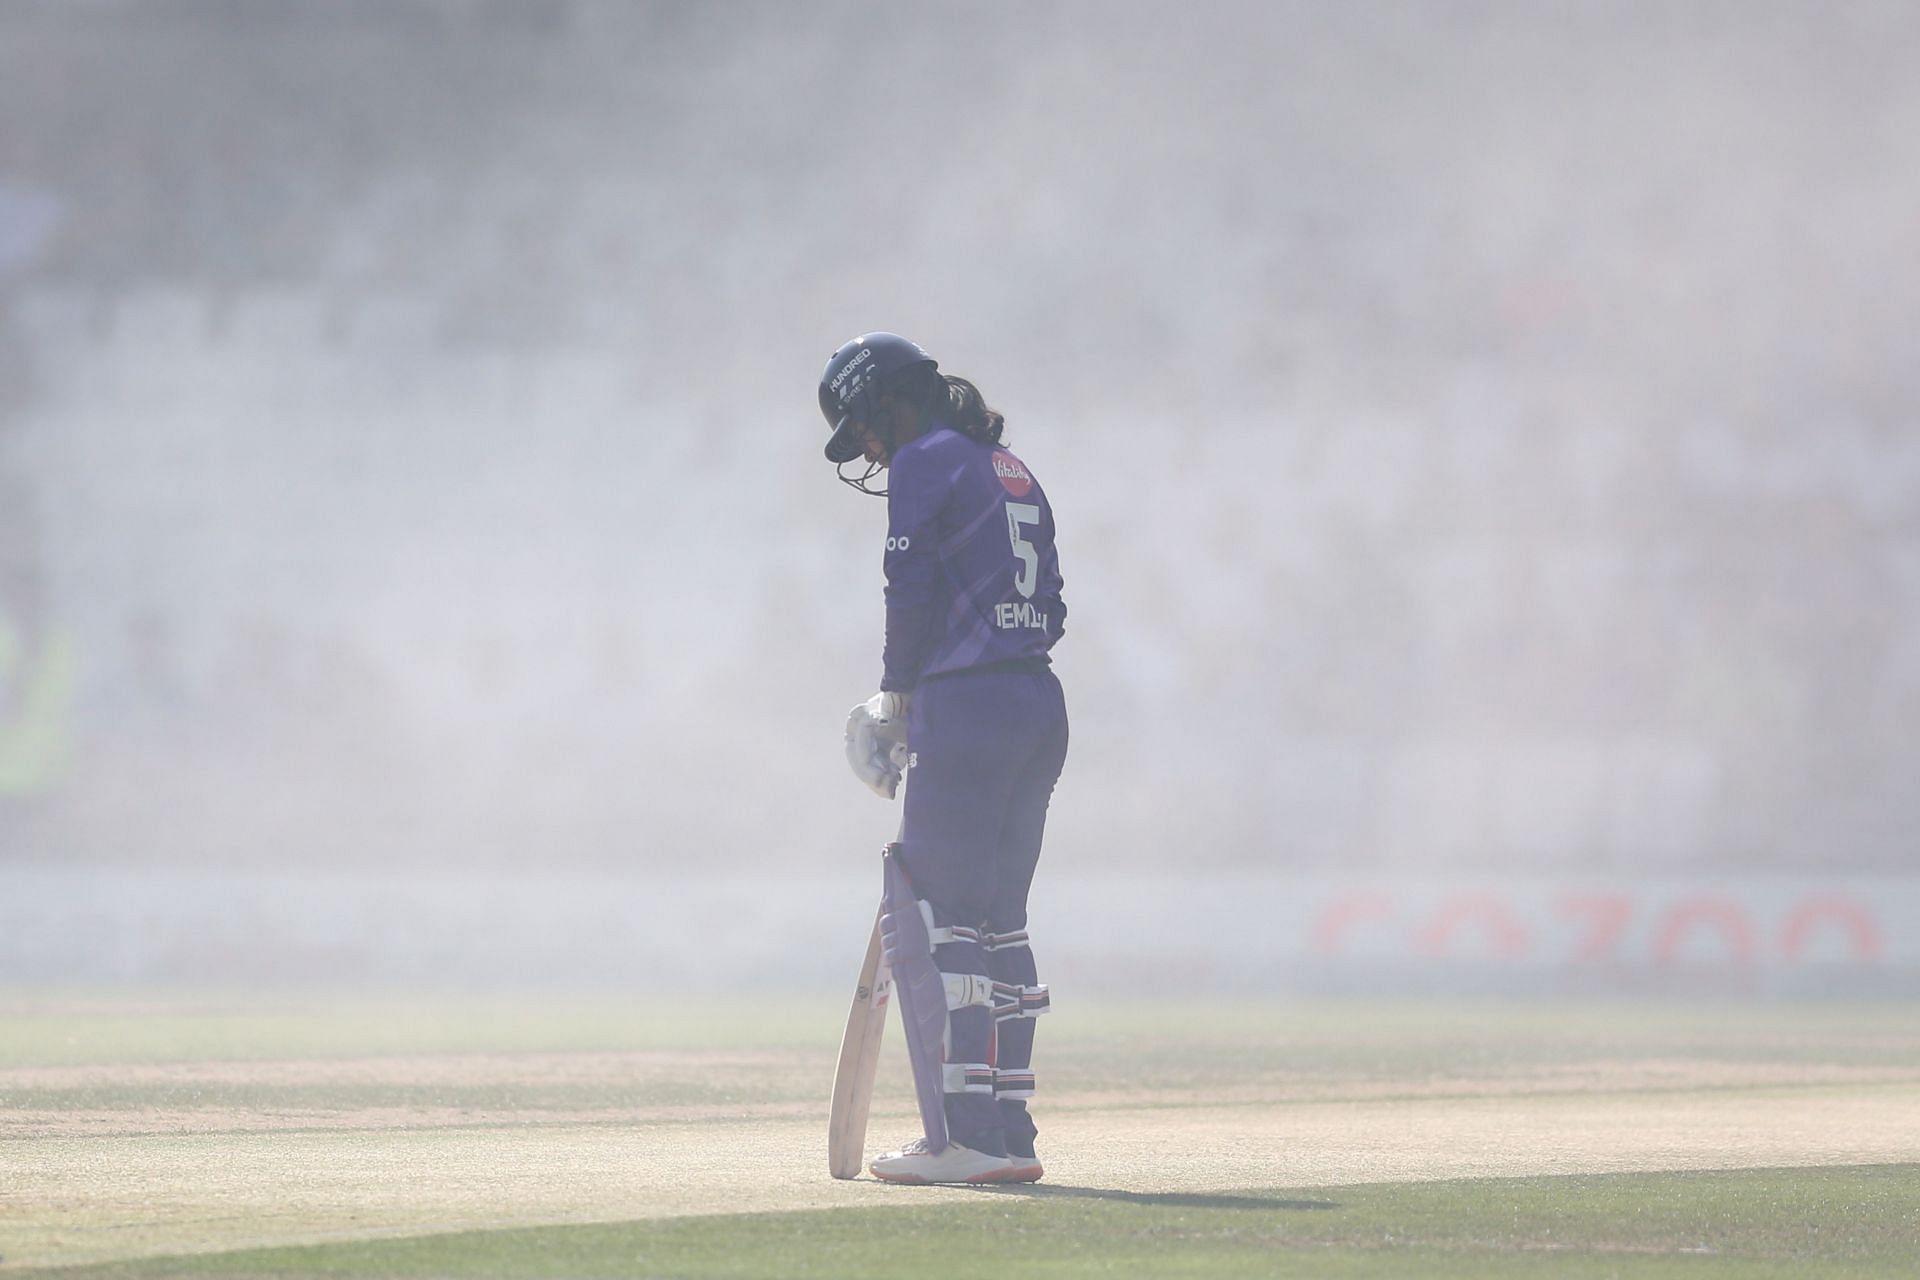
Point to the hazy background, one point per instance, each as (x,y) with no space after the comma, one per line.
(1485,436)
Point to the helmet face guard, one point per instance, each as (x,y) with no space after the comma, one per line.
(849,391)
(864,481)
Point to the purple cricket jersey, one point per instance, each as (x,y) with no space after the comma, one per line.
(972,575)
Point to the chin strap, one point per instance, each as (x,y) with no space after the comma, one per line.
(859,482)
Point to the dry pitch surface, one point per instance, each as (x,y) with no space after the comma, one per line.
(139,1126)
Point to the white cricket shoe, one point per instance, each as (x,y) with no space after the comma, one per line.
(1025,1169)
(914,1164)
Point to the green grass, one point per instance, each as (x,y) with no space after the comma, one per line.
(1162,1044)
(81,1028)
(1163,1055)
(1803,1223)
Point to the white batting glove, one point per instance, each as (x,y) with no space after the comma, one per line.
(877,742)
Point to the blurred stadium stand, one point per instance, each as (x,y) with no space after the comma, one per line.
(418,458)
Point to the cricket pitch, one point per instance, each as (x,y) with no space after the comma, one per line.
(188,1125)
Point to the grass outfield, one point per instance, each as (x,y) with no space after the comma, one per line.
(153,1133)
(1813,1223)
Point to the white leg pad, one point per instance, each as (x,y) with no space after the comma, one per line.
(965,989)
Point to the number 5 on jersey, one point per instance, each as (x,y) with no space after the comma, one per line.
(1018,514)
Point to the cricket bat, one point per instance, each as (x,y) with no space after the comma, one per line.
(860,1042)
(859,1057)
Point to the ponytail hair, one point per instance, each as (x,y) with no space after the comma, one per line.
(950,401)
(966,411)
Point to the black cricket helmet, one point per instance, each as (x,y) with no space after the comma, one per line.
(851,381)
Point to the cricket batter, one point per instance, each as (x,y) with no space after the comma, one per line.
(973,607)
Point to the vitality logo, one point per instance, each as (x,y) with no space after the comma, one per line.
(1013,473)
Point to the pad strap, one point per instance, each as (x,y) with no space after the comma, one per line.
(1004,941)
(942,935)
(1012,1084)
(939,935)
(969,1077)
(1011,1000)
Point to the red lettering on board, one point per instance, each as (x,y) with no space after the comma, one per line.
(1862,933)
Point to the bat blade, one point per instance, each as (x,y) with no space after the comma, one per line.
(859,1058)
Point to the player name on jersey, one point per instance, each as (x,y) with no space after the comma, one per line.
(1010,615)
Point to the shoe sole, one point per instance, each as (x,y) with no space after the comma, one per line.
(978,1179)
(993,1177)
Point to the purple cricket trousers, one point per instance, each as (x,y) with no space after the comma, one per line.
(988,746)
